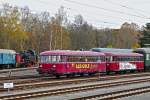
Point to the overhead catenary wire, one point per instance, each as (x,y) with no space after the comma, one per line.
(139,11)
(105,9)
(94,20)
(91,20)
(96,13)
(44,2)
(97,20)
(110,16)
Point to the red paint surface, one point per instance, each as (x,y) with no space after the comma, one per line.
(114,66)
(61,68)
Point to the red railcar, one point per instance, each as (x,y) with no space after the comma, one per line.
(116,61)
(64,62)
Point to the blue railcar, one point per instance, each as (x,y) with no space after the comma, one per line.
(7,58)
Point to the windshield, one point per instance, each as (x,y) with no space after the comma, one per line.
(49,59)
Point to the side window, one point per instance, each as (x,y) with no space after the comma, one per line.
(44,59)
(48,59)
(82,59)
(63,58)
(53,58)
(102,58)
(108,58)
(73,58)
(141,58)
(114,58)
(147,56)
(59,59)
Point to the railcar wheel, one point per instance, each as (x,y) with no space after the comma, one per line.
(57,76)
(90,74)
(40,72)
(81,74)
(107,72)
(124,72)
(132,71)
(68,75)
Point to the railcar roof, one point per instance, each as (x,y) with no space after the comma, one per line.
(69,52)
(121,54)
(7,51)
(112,50)
(145,50)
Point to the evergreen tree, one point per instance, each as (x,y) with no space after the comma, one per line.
(145,39)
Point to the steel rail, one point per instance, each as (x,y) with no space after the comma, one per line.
(116,94)
(71,89)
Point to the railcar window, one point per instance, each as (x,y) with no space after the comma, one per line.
(63,59)
(132,59)
(114,58)
(93,59)
(147,56)
(127,58)
(85,58)
(137,58)
(53,58)
(108,58)
(50,59)
(73,59)
(102,58)
(119,59)
(142,58)
(44,59)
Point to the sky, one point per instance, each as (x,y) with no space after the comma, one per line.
(99,13)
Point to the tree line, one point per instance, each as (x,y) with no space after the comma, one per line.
(21,29)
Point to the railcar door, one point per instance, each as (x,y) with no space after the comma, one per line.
(62,63)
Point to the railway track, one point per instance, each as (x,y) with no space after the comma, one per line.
(28,78)
(14,77)
(117,94)
(72,89)
(17,69)
(46,81)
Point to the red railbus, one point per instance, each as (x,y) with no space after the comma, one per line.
(117,62)
(64,62)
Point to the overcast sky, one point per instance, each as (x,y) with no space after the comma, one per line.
(99,13)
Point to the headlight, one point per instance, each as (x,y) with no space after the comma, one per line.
(40,66)
(54,66)
(107,64)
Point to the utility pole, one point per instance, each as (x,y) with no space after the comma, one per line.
(61,37)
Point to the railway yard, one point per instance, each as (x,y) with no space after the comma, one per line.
(74,50)
(28,84)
